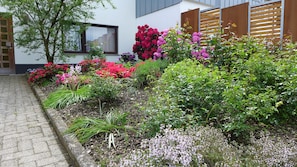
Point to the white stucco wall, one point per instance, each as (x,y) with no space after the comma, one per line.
(169,17)
(123,17)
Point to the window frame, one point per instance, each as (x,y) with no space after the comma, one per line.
(83,40)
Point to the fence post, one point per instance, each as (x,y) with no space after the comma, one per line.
(290,21)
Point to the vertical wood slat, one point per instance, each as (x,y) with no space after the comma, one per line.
(290,21)
(237,15)
(190,18)
(265,20)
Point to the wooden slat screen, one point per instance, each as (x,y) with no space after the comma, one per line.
(209,23)
(266,21)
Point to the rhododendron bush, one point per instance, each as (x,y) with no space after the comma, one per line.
(45,73)
(111,69)
(146,42)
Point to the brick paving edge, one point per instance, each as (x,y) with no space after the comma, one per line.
(75,150)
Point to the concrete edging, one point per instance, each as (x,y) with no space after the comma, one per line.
(75,150)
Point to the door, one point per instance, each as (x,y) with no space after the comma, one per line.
(7,65)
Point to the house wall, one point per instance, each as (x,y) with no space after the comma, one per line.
(123,16)
(170,16)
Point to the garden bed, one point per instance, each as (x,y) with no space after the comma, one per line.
(129,101)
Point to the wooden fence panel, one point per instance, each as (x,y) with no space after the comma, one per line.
(209,23)
(237,15)
(290,21)
(266,21)
(190,18)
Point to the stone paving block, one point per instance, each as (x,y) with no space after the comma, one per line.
(25,145)
(8,151)
(29,164)
(9,163)
(17,155)
(34,157)
(22,129)
(35,130)
(55,150)
(49,161)
(40,147)
(9,143)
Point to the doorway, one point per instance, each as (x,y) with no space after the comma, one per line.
(7,64)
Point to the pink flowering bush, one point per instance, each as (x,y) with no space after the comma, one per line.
(176,45)
(146,42)
(111,69)
(46,73)
(73,79)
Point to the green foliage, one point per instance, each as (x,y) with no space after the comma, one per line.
(188,93)
(287,89)
(229,53)
(96,52)
(85,128)
(64,97)
(149,71)
(257,90)
(43,22)
(104,89)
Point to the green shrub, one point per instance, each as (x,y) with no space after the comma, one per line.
(287,90)
(64,97)
(104,89)
(188,93)
(149,71)
(229,53)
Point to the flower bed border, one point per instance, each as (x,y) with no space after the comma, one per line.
(75,150)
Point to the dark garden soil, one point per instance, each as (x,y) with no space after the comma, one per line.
(129,101)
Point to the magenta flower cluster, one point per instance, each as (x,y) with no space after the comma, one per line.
(176,44)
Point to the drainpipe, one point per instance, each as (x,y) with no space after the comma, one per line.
(282,23)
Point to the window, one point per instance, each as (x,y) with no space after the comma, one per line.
(95,35)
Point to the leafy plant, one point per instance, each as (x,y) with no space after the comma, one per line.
(229,53)
(96,52)
(104,90)
(146,42)
(149,71)
(127,58)
(62,98)
(85,128)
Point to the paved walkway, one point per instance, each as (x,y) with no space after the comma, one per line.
(26,138)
